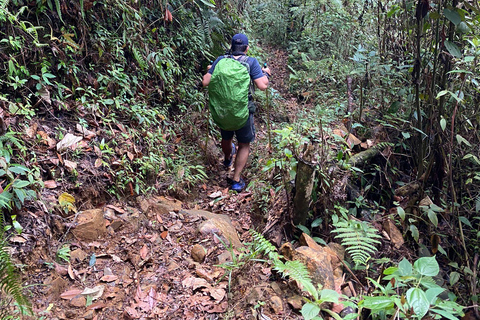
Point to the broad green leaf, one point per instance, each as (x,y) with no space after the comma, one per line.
(303,229)
(434,15)
(433,217)
(418,301)
(20,193)
(466,221)
(18,169)
(443,124)
(477,204)
(445,314)
(453,49)
(442,93)
(310,311)
(453,16)
(427,266)
(378,303)
(17,226)
(472,157)
(327,295)
(391,270)
(401,213)
(317,222)
(461,139)
(454,277)
(20,184)
(405,267)
(414,231)
(210,4)
(432,294)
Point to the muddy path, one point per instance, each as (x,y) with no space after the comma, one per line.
(151,259)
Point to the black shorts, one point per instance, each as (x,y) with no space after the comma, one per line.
(246,134)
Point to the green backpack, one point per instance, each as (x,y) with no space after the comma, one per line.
(228,92)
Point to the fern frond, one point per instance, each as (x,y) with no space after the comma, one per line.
(4,4)
(383,145)
(59,9)
(263,245)
(139,57)
(9,282)
(358,237)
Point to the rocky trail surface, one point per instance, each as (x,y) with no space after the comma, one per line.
(160,258)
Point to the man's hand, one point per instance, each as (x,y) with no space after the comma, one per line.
(267,71)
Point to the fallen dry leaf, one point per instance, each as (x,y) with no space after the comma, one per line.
(144,252)
(164,234)
(96,306)
(217,294)
(68,141)
(70,272)
(108,278)
(95,292)
(70,294)
(50,184)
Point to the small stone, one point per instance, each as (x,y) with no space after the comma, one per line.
(276,288)
(224,257)
(91,225)
(276,304)
(198,253)
(79,301)
(78,255)
(296,302)
(89,315)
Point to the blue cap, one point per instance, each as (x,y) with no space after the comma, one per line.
(240,39)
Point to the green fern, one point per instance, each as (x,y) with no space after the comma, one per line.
(9,282)
(263,245)
(138,56)
(59,9)
(358,237)
(4,4)
(295,270)
(383,145)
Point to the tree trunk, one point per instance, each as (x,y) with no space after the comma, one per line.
(303,194)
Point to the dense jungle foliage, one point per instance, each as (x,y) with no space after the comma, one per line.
(127,74)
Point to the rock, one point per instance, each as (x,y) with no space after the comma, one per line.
(78,302)
(306,240)
(296,302)
(216,224)
(78,255)
(89,315)
(277,304)
(198,253)
(316,261)
(255,295)
(91,225)
(57,286)
(224,257)
(159,205)
(393,232)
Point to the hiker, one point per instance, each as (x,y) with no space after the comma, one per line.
(230,113)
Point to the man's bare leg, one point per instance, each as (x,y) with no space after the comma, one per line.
(227,148)
(241,160)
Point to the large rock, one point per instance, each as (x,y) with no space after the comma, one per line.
(317,262)
(90,225)
(218,224)
(158,205)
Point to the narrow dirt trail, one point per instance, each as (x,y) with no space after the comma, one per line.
(143,264)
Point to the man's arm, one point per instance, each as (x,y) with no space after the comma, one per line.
(206,79)
(262,82)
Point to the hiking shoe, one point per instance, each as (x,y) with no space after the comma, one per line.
(238,185)
(227,163)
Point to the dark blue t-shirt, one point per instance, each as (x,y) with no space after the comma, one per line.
(255,69)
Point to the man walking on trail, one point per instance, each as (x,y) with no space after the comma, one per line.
(246,133)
